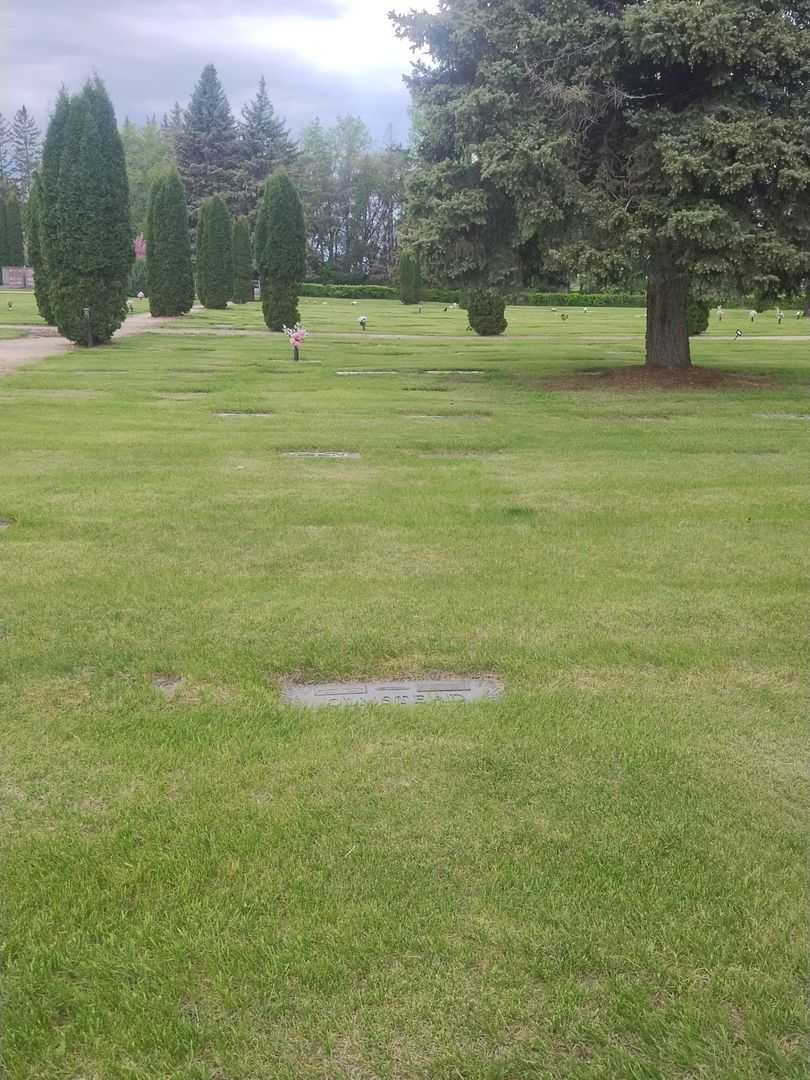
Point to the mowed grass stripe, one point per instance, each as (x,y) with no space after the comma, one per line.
(600,874)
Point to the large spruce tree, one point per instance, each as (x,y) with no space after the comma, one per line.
(264,145)
(207,148)
(280,250)
(242,262)
(25,137)
(168,248)
(214,253)
(608,133)
(15,244)
(88,241)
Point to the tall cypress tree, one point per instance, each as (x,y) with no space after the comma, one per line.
(168,248)
(214,254)
(207,148)
(89,262)
(281,251)
(242,262)
(15,244)
(48,199)
(35,257)
(410,282)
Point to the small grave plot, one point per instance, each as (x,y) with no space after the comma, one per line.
(452,688)
(338,454)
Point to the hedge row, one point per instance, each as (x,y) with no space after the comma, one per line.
(457,296)
(350,292)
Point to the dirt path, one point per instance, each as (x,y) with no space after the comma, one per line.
(42,342)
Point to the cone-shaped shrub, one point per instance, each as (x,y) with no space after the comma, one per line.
(242,262)
(214,253)
(15,245)
(48,199)
(170,281)
(410,278)
(485,311)
(90,253)
(280,250)
(35,257)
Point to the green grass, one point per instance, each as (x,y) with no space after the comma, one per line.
(23,309)
(391,317)
(600,875)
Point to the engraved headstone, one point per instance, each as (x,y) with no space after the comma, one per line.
(391,691)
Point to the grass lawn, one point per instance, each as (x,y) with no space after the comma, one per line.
(600,875)
(23,307)
(391,317)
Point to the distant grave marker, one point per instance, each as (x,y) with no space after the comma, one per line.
(341,454)
(391,691)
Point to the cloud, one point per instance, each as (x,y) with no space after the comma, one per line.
(328,58)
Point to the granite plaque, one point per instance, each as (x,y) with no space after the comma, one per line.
(391,691)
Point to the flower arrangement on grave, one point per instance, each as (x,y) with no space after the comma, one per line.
(296,334)
(363,320)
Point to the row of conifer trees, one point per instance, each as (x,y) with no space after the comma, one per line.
(80,239)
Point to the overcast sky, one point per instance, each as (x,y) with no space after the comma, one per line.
(320,57)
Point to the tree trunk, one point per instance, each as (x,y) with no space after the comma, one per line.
(667,298)
(807,303)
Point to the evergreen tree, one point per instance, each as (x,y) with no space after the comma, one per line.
(170,127)
(89,262)
(3,233)
(25,138)
(485,311)
(48,203)
(35,256)
(15,244)
(242,262)
(410,278)
(214,253)
(6,151)
(170,279)
(600,134)
(281,251)
(207,147)
(265,144)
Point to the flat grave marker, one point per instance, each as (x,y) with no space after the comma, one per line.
(391,691)
(338,454)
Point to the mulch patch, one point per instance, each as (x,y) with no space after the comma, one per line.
(638,377)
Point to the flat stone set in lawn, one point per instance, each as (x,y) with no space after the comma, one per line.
(456,688)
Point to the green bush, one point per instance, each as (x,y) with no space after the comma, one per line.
(349,292)
(697,316)
(577,299)
(485,312)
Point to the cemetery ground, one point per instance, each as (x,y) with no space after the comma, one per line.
(600,874)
